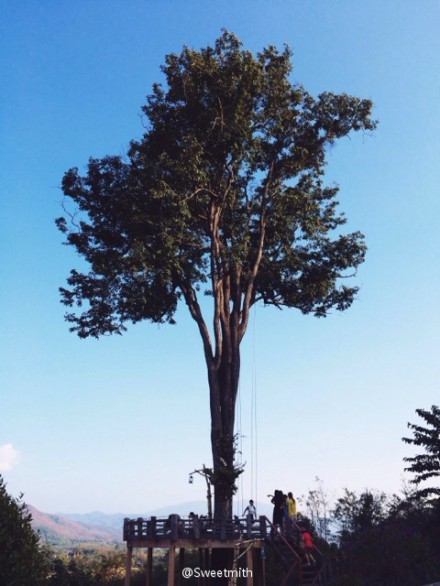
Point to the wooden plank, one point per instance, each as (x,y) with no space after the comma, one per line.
(188,543)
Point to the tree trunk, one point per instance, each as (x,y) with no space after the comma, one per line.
(223,385)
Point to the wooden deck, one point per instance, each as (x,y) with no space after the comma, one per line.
(245,538)
(174,533)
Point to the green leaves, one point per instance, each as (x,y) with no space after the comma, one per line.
(223,193)
(426,466)
(22,562)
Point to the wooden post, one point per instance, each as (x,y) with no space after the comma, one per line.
(250,566)
(128,560)
(139,523)
(263,531)
(126,534)
(201,580)
(149,569)
(249,526)
(260,568)
(174,522)
(233,581)
(180,579)
(223,530)
(196,527)
(171,565)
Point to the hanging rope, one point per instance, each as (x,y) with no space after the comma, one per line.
(239,506)
(254,427)
(239,503)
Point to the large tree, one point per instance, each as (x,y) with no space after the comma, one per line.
(224,196)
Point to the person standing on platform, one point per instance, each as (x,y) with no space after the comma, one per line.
(278,502)
(250,511)
(291,507)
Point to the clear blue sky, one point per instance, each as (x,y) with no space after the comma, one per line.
(117,424)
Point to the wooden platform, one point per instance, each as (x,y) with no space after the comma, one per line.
(245,539)
(175,534)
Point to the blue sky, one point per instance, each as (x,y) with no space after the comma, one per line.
(117,424)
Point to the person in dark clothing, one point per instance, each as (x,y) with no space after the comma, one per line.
(278,509)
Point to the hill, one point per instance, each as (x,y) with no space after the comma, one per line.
(115,521)
(58,528)
(102,527)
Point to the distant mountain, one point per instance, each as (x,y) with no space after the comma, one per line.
(102,527)
(56,528)
(115,521)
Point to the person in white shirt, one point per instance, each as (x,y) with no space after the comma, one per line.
(250,511)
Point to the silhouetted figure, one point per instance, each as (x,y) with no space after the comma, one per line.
(278,512)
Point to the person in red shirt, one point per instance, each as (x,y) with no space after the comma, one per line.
(307,547)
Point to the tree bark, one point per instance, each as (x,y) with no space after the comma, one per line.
(223,386)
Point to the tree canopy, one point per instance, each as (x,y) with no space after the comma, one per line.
(425,466)
(224,192)
(22,562)
(386,540)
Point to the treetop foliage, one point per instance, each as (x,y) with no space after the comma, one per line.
(223,195)
(387,540)
(22,561)
(425,466)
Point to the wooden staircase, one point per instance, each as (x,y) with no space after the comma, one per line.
(297,572)
(310,575)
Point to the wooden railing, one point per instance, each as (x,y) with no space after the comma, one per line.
(175,527)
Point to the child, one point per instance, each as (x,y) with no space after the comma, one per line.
(307,547)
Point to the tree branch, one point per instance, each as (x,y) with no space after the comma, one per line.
(196,313)
(253,273)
